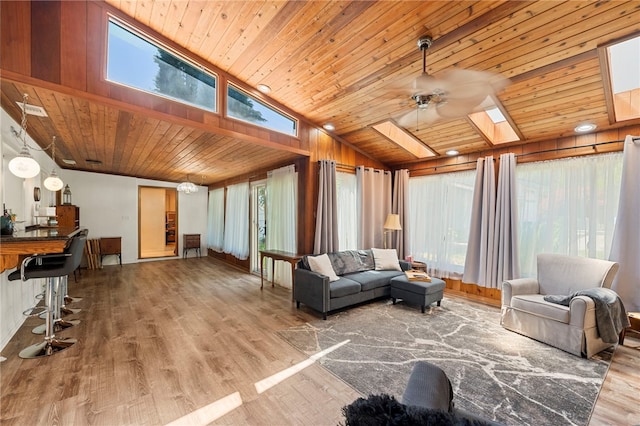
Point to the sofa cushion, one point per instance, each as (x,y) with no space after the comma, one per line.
(373,279)
(348,261)
(535,304)
(386,259)
(322,265)
(343,287)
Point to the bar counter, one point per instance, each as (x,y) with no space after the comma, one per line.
(31,241)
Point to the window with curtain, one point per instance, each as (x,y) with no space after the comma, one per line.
(347,210)
(439,217)
(282,185)
(236,224)
(567,206)
(215,220)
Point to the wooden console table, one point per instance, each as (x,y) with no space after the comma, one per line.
(33,241)
(286,256)
(111,246)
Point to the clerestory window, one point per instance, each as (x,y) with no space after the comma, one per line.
(139,63)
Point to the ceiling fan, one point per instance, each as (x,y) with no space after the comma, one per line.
(455,93)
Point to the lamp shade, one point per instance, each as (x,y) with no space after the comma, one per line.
(53,182)
(24,166)
(392,222)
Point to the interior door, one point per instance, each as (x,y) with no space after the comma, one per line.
(157,221)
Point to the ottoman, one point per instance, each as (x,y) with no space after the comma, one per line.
(422,293)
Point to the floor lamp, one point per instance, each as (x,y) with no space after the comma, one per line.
(391,224)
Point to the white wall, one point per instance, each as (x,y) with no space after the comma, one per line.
(108,208)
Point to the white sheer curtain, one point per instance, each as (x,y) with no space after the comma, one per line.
(440,214)
(568,207)
(626,238)
(236,224)
(374,203)
(215,220)
(347,211)
(479,257)
(281,210)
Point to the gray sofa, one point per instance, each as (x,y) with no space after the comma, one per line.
(358,281)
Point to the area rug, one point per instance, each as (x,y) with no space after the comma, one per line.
(495,373)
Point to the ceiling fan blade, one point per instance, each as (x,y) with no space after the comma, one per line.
(453,108)
(425,84)
(418,117)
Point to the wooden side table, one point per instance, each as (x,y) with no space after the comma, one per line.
(634,319)
(190,241)
(292,258)
(111,246)
(419,266)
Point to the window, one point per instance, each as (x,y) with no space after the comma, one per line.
(347,211)
(567,207)
(242,106)
(138,63)
(439,218)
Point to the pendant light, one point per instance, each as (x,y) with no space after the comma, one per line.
(53,182)
(24,166)
(187,187)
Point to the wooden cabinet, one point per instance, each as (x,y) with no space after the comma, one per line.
(190,241)
(68,216)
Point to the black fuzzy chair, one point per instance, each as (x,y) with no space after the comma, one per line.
(427,400)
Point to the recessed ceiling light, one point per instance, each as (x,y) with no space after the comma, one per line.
(330,127)
(585,127)
(452,152)
(264,88)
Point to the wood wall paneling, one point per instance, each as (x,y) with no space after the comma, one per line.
(15,42)
(45,40)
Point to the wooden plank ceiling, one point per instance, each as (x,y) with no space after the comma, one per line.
(343,62)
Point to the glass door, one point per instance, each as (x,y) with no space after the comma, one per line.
(258,223)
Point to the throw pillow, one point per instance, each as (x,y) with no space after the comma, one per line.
(386,259)
(322,265)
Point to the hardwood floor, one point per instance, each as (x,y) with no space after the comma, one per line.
(186,341)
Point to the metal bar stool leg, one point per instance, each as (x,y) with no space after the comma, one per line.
(59,323)
(51,344)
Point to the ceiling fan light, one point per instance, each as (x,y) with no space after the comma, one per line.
(24,166)
(53,182)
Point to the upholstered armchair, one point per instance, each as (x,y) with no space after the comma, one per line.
(570,328)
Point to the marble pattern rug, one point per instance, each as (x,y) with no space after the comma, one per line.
(495,373)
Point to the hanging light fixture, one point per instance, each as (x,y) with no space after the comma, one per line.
(53,182)
(187,187)
(24,166)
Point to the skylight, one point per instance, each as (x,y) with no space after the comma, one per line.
(493,124)
(624,63)
(495,115)
(403,139)
(136,62)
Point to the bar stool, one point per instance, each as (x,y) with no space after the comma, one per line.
(52,266)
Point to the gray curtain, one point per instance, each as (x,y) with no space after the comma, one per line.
(505,242)
(625,247)
(374,203)
(479,247)
(326,238)
(401,208)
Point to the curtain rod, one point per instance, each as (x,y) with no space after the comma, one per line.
(593,145)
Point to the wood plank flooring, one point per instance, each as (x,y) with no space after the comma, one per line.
(184,341)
